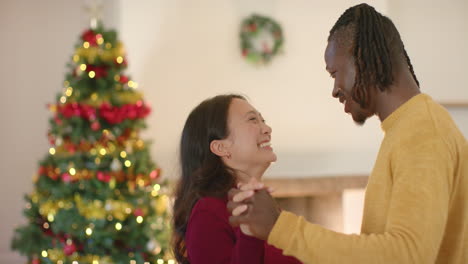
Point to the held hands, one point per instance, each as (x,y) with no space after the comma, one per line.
(253,208)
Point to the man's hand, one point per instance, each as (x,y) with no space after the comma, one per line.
(254,208)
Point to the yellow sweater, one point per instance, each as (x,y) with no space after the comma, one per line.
(416,205)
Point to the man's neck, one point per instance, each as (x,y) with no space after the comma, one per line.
(403,89)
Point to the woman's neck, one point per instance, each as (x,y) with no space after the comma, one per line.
(245,176)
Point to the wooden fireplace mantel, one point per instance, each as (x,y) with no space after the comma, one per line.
(314,186)
(318,199)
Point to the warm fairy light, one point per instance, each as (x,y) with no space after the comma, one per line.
(160,261)
(132,261)
(154,193)
(97,160)
(123,154)
(119,59)
(44,254)
(83,67)
(69,91)
(93,151)
(63,99)
(46,225)
(86,44)
(128,163)
(69,241)
(61,204)
(94,96)
(28,206)
(110,218)
(140,143)
(95,262)
(157,187)
(108,45)
(89,231)
(128,210)
(105,132)
(72,171)
(52,151)
(66,83)
(75,262)
(139,219)
(112,183)
(141,182)
(135,85)
(102,151)
(118,226)
(130,84)
(117,77)
(76,58)
(91,74)
(146,262)
(111,148)
(171,261)
(50,217)
(59,262)
(99,39)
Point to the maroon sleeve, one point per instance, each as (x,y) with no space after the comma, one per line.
(210,238)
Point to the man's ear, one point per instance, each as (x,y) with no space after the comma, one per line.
(219,148)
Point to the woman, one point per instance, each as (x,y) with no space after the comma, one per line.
(225,141)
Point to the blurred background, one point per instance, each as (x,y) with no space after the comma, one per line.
(183,51)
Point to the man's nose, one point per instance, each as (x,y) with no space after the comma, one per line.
(336,91)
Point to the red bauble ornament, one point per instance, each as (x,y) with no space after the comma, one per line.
(154,174)
(57,120)
(66,177)
(123,79)
(95,126)
(90,37)
(253,27)
(103,176)
(138,212)
(35,261)
(69,249)
(42,170)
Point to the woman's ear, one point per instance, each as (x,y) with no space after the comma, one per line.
(219,148)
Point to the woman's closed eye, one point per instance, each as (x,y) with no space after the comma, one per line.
(253,118)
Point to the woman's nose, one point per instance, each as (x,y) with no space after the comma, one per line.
(266,129)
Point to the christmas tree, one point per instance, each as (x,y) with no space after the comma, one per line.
(97,197)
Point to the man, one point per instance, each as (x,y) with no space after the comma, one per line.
(416,205)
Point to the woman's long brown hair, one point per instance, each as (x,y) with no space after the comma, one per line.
(202,172)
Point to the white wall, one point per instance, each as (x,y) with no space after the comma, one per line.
(181,52)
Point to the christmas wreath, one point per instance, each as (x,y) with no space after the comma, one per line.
(261,39)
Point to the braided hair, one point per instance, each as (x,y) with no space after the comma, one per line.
(376,46)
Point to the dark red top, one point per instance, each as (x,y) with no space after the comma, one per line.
(210,239)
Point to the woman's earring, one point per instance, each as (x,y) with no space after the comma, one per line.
(228,156)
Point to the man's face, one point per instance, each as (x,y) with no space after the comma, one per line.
(340,65)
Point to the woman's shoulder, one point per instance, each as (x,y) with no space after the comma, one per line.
(212,205)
